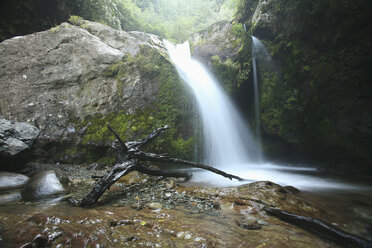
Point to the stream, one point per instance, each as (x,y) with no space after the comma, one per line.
(129,215)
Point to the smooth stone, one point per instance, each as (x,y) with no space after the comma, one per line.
(10,181)
(154,205)
(10,197)
(43,185)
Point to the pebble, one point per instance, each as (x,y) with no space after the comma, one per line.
(154,205)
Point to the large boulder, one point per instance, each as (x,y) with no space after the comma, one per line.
(10,181)
(43,185)
(72,79)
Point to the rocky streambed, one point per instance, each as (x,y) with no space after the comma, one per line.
(147,211)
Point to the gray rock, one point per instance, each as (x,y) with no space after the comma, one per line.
(16,137)
(154,205)
(10,197)
(261,13)
(61,76)
(10,181)
(43,185)
(218,39)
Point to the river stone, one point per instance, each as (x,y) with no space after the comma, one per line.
(10,181)
(43,185)
(10,197)
(154,205)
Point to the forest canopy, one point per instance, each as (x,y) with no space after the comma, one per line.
(171,19)
(177,19)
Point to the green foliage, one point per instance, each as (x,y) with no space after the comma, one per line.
(321,49)
(177,19)
(228,72)
(75,20)
(174,20)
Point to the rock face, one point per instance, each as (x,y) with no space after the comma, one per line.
(53,76)
(261,14)
(42,185)
(10,181)
(16,138)
(58,78)
(315,91)
(218,39)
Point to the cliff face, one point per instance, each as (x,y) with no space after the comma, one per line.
(315,92)
(320,96)
(71,79)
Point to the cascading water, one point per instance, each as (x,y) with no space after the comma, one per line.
(256,96)
(227,141)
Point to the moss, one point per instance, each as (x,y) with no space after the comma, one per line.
(75,20)
(169,109)
(55,29)
(228,72)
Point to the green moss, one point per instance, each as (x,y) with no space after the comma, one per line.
(169,109)
(228,72)
(75,20)
(55,29)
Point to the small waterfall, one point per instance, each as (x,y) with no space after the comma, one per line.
(255,46)
(227,141)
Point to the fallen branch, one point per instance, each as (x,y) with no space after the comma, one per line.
(321,229)
(129,160)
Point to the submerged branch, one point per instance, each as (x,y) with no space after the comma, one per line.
(321,229)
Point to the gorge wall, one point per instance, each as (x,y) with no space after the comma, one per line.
(315,91)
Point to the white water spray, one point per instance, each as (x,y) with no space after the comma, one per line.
(227,141)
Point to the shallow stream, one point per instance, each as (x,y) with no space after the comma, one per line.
(205,212)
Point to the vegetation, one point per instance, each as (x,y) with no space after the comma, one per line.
(169,109)
(174,20)
(321,50)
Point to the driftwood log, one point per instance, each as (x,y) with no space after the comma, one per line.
(321,229)
(129,159)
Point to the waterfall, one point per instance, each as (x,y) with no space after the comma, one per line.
(255,46)
(227,141)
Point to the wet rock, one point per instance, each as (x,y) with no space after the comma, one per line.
(15,139)
(137,206)
(249,224)
(10,197)
(154,205)
(42,185)
(10,181)
(292,189)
